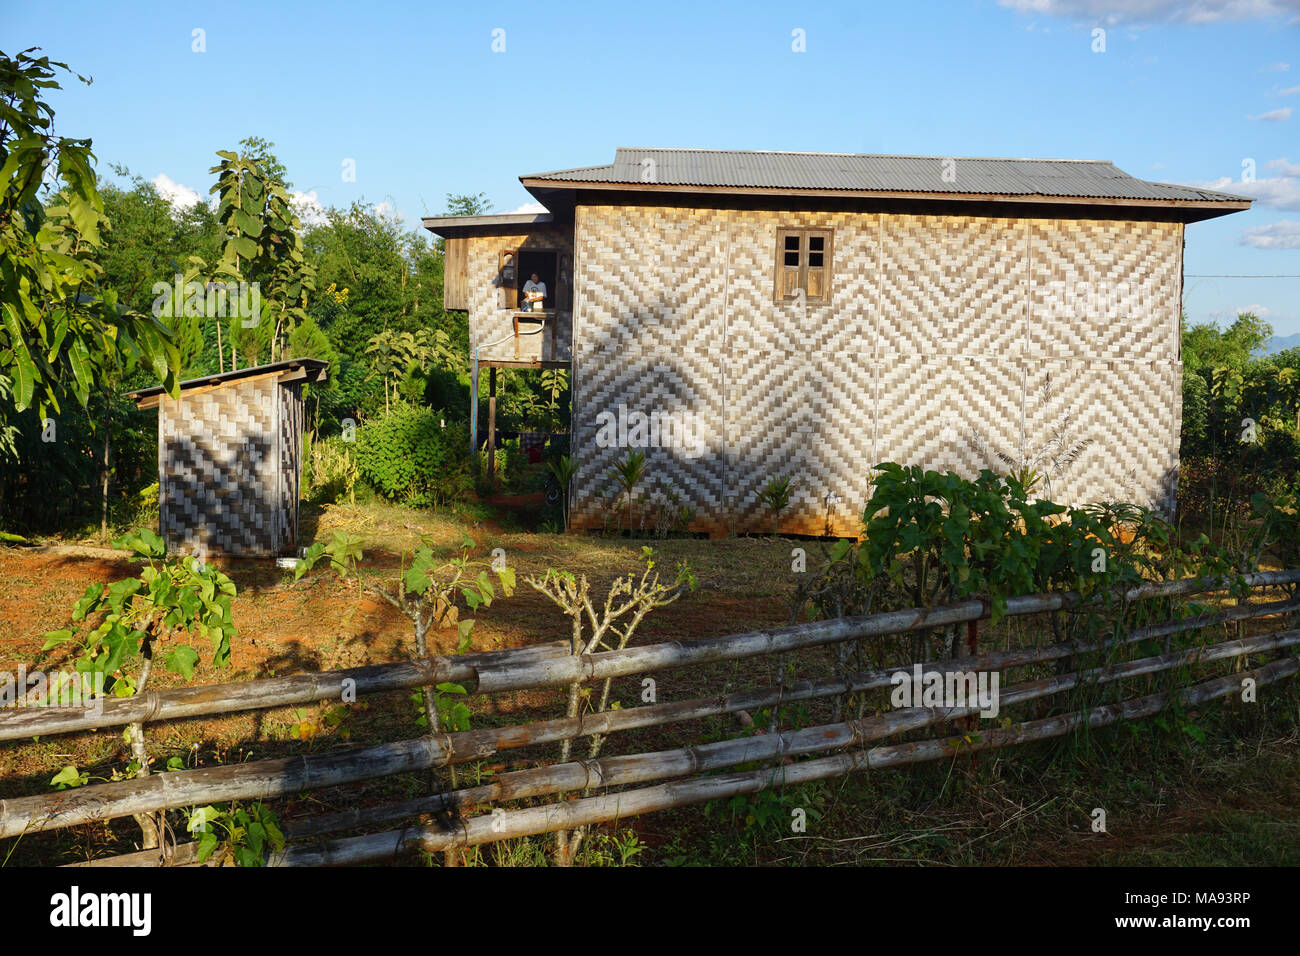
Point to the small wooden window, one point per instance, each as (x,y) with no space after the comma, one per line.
(803,261)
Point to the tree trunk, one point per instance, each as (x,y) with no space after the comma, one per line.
(149,827)
(103,491)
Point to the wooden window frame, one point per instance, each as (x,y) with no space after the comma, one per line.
(827,267)
(510,286)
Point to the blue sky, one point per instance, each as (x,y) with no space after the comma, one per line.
(414,94)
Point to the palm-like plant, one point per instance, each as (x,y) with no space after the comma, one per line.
(627,473)
(776,495)
(563,471)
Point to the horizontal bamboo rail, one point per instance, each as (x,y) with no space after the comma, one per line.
(262,779)
(640,768)
(549,666)
(235,696)
(503,824)
(703,758)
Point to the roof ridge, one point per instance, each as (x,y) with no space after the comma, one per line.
(800,152)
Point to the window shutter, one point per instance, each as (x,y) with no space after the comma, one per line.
(789,263)
(506,269)
(818,255)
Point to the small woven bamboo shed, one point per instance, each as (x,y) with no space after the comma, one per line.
(230,459)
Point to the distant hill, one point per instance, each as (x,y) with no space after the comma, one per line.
(1281,343)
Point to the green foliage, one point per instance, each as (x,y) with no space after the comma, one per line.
(771,808)
(59,328)
(344,553)
(1206,346)
(453,713)
(240,836)
(393,281)
(627,474)
(936,538)
(428,575)
(1279,527)
(563,469)
(149,614)
(69,777)
(58,485)
(776,495)
(468,205)
(262,244)
(408,455)
(397,357)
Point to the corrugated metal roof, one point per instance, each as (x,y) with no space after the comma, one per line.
(439,223)
(314,366)
(1080,178)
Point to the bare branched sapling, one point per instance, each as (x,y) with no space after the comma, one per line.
(608,627)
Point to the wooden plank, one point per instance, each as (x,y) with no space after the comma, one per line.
(455,277)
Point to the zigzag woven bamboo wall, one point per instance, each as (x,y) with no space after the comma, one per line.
(230,463)
(949,343)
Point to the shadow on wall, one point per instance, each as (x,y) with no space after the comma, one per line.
(220,496)
(717,423)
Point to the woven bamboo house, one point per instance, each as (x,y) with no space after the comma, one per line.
(230,459)
(742,316)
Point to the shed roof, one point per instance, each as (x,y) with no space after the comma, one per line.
(491,223)
(723,170)
(287,370)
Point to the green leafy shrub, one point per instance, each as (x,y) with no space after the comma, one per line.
(414,455)
(932,538)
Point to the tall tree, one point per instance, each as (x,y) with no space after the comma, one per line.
(58,328)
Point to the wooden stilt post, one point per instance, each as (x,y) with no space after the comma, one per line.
(492,422)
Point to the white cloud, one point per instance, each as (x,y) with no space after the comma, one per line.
(1275,68)
(1290,91)
(181,197)
(1273,116)
(307,208)
(1151,11)
(1278,192)
(1283,234)
(525,208)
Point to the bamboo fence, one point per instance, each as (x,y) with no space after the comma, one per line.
(644,782)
